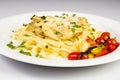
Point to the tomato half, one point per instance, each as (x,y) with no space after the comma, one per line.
(84,56)
(104,34)
(111,48)
(112,41)
(100,40)
(74,56)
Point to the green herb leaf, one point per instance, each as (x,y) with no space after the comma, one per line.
(46,46)
(57,33)
(72,22)
(76,26)
(22,44)
(43,17)
(40,56)
(73,15)
(13,31)
(93,29)
(25,53)
(10,45)
(73,30)
(24,25)
(27,35)
(33,17)
(45,21)
(56,16)
(63,14)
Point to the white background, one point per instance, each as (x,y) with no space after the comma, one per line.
(14,70)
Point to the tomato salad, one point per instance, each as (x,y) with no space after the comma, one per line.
(101,46)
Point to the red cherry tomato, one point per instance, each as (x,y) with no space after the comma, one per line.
(112,41)
(105,34)
(84,56)
(100,40)
(105,37)
(74,56)
(111,48)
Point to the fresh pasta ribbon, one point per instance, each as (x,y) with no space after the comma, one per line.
(54,37)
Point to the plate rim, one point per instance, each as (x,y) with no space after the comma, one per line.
(35,60)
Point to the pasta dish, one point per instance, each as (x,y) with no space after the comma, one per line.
(54,37)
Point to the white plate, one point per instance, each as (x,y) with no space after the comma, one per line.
(12,23)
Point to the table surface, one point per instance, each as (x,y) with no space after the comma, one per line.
(15,70)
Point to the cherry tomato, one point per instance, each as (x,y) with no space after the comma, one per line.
(112,41)
(74,56)
(105,34)
(111,48)
(100,40)
(84,56)
(105,37)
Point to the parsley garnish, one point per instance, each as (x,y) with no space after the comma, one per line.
(40,56)
(63,14)
(57,33)
(43,17)
(73,15)
(93,29)
(73,30)
(13,31)
(46,46)
(25,53)
(76,26)
(56,16)
(72,22)
(10,45)
(24,25)
(45,21)
(22,44)
(27,35)
(33,17)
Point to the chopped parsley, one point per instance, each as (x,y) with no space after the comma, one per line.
(56,16)
(93,29)
(72,22)
(91,33)
(22,44)
(63,14)
(45,21)
(73,30)
(63,17)
(33,17)
(57,33)
(24,25)
(10,45)
(73,15)
(27,35)
(25,53)
(76,26)
(46,46)
(40,56)
(43,17)
(13,31)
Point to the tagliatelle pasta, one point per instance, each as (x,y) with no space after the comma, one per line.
(53,37)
